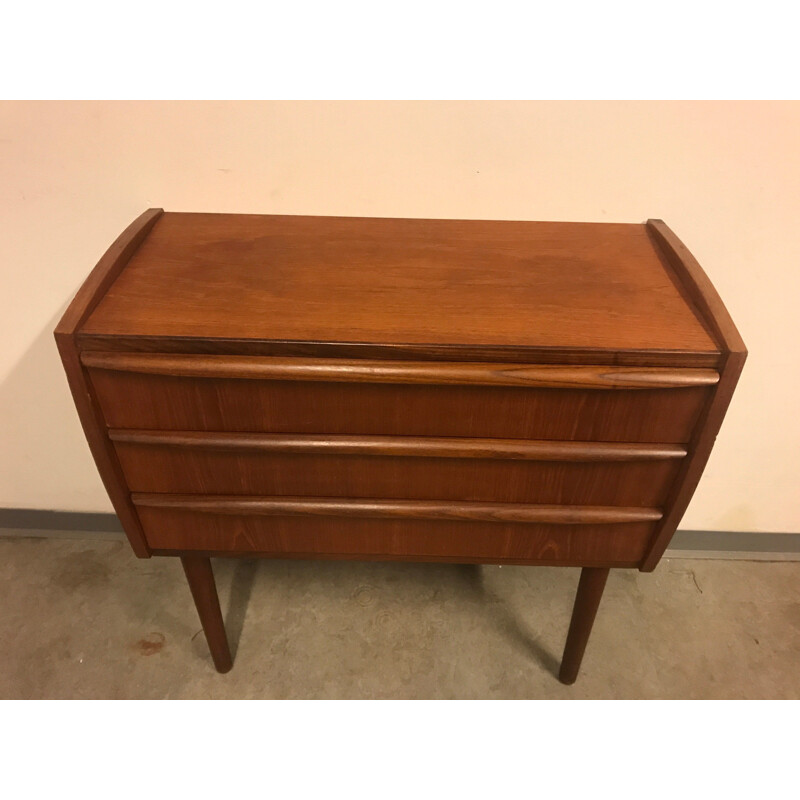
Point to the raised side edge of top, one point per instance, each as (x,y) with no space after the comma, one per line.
(698,285)
(106,272)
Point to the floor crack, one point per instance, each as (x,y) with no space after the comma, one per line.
(689,572)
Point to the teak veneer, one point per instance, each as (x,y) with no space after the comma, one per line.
(422,390)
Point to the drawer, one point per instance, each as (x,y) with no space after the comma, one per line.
(227,393)
(311,527)
(424,468)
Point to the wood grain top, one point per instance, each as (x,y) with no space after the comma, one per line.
(386,282)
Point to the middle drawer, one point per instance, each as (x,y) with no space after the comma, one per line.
(391,467)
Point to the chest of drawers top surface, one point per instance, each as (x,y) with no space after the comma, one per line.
(536,292)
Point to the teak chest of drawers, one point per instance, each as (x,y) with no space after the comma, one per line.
(421,390)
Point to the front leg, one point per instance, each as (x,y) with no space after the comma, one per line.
(590,590)
(204,591)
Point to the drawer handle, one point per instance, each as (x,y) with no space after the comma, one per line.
(405,509)
(413,372)
(405,446)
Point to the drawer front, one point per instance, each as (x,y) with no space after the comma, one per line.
(318,535)
(166,402)
(508,471)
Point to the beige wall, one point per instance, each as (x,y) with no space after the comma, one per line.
(725,177)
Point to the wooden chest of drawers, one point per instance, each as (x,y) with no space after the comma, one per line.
(430,390)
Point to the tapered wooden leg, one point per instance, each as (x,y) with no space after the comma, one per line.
(590,590)
(204,591)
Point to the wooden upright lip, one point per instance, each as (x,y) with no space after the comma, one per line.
(536,292)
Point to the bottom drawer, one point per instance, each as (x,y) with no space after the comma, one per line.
(320,535)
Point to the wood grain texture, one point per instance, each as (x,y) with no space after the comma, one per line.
(587,600)
(410,446)
(692,467)
(403,509)
(439,470)
(106,271)
(421,390)
(563,356)
(175,530)
(88,296)
(162,402)
(583,286)
(701,291)
(105,457)
(545,560)
(204,592)
(404,372)
(702,294)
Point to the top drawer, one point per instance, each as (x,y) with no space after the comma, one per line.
(279,395)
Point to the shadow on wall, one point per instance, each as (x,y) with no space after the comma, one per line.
(45,462)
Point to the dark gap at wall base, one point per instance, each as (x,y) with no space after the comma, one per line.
(73,521)
(19,522)
(735,541)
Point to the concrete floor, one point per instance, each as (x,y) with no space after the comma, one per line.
(86,619)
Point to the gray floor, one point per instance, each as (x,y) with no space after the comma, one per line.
(86,619)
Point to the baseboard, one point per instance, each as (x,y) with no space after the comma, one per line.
(30,522)
(735,545)
(26,522)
